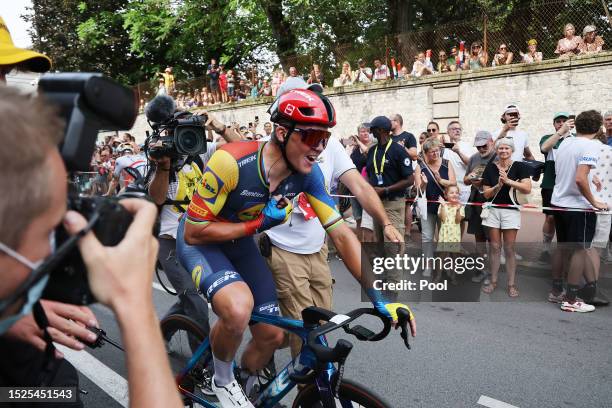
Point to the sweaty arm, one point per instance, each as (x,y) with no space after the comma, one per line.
(158,189)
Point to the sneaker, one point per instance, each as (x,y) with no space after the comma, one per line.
(577,306)
(517,256)
(552,298)
(502,259)
(231,395)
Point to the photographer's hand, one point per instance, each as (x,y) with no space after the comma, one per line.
(66,327)
(121,277)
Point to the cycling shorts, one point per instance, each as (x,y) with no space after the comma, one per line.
(214,266)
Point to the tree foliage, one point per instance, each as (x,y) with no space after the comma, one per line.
(133,40)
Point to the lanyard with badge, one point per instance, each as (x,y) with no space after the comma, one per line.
(379,175)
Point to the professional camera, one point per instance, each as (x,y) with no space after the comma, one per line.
(181,133)
(88,102)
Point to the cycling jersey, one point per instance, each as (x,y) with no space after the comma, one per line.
(137,162)
(234,189)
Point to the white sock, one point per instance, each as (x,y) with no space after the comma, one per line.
(223,372)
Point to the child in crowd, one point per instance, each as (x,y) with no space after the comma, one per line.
(450,214)
(223,84)
(231,82)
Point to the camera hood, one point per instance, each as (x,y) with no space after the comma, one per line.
(88,102)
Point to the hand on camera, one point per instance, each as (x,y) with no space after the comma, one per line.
(121,276)
(66,327)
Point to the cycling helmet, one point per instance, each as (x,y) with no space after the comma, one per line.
(302,106)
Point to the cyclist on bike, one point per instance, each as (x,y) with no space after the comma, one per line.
(246,188)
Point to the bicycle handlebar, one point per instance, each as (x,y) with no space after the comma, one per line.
(312,315)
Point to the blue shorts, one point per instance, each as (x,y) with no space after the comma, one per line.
(213,266)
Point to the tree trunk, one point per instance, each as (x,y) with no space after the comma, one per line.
(281,29)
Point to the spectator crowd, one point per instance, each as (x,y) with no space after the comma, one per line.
(229,85)
(449,186)
(479,187)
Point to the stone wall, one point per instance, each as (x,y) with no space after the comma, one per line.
(475,98)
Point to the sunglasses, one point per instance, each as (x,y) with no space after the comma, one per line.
(313,137)
(432,130)
(481,147)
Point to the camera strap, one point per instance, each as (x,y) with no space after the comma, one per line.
(50,364)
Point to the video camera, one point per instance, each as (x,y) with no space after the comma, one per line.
(88,102)
(180,133)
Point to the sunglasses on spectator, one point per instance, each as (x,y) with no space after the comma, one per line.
(432,130)
(502,48)
(313,137)
(481,147)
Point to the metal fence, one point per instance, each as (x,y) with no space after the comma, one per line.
(543,21)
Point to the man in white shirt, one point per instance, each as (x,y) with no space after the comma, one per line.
(573,162)
(363,73)
(510,119)
(381,72)
(459,155)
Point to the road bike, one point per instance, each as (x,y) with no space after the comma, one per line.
(318,367)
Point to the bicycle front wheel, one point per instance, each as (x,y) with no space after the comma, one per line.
(183,336)
(349,391)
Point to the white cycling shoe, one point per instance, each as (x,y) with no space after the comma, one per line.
(231,395)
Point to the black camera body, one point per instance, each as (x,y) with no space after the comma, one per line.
(68,282)
(183,134)
(89,103)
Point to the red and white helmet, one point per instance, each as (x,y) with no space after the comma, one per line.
(303,106)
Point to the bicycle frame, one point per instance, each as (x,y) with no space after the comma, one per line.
(282,383)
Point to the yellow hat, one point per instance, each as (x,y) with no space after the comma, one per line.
(533,41)
(26,59)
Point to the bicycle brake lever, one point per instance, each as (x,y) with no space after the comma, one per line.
(402,319)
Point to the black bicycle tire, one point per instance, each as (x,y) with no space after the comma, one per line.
(175,322)
(350,390)
(178,321)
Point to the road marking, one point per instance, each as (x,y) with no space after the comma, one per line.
(109,381)
(493,403)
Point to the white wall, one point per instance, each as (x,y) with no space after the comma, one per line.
(475,98)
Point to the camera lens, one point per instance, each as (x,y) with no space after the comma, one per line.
(190,140)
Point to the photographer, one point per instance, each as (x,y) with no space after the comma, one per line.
(172,187)
(119,276)
(510,120)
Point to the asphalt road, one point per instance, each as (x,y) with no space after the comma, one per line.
(525,354)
